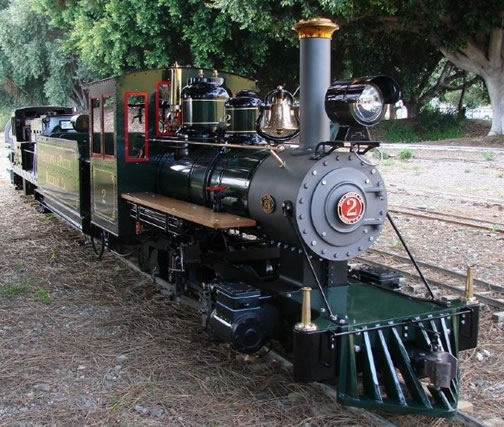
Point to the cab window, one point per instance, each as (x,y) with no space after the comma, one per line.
(109,125)
(164,116)
(96,126)
(136,132)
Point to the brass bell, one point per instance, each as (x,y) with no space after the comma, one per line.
(279,118)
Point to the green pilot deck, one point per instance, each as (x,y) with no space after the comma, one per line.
(378,352)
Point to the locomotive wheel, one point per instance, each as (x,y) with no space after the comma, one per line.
(98,246)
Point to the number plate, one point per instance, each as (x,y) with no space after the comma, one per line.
(351,208)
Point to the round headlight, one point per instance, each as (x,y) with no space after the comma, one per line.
(368,108)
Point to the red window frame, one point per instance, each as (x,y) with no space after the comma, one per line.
(129,159)
(91,146)
(157,110)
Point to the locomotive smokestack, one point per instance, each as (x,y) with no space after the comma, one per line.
(315,77)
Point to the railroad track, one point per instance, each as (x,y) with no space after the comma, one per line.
(450,218)
(474,200)
(482,287)
(461,418)
(467,149)
(483,163)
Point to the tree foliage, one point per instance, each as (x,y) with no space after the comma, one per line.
(470,34)
(35,67)
(61,43)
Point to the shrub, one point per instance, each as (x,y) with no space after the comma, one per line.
(5,114)
(435,124)
(11,289)
(405,154)
(489,155)
(42,296)
(428,125)
(399,131)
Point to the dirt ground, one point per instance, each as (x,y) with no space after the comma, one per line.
(466,181)
(92,343)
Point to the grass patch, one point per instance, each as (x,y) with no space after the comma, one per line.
(388,162)
(397,131)
(42,296)
(494,228)
(5,114)
(12,289)
(437,125)
(428,125)
(396,244)
(405,154)
(52,257)
(489,156)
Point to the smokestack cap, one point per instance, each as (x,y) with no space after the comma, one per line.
(315,28)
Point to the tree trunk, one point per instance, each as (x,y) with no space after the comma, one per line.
(460,108)
(488,62)
(495,85)
(412,108)
(392,112)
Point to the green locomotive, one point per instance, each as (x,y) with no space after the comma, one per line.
(252,209)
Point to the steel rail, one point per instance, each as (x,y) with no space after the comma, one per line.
(330,392)
(468,420)
(478,282)
(452,215)
(482,298)
(438,216)
(464,197)
(467,149)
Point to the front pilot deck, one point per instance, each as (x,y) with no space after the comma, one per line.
(351,303)
(372,349)
(189,211)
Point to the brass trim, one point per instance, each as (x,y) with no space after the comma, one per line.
(273,149)
(306,324)
(315,28)
(204,100)
(469,287)
(277,148)
(201,123)
(268,204)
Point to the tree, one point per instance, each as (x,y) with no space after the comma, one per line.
(114,36)
(34,66)
(369,50)
(469,33)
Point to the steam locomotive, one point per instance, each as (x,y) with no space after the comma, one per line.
(250,207)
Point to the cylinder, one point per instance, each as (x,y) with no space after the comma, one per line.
(315,77)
